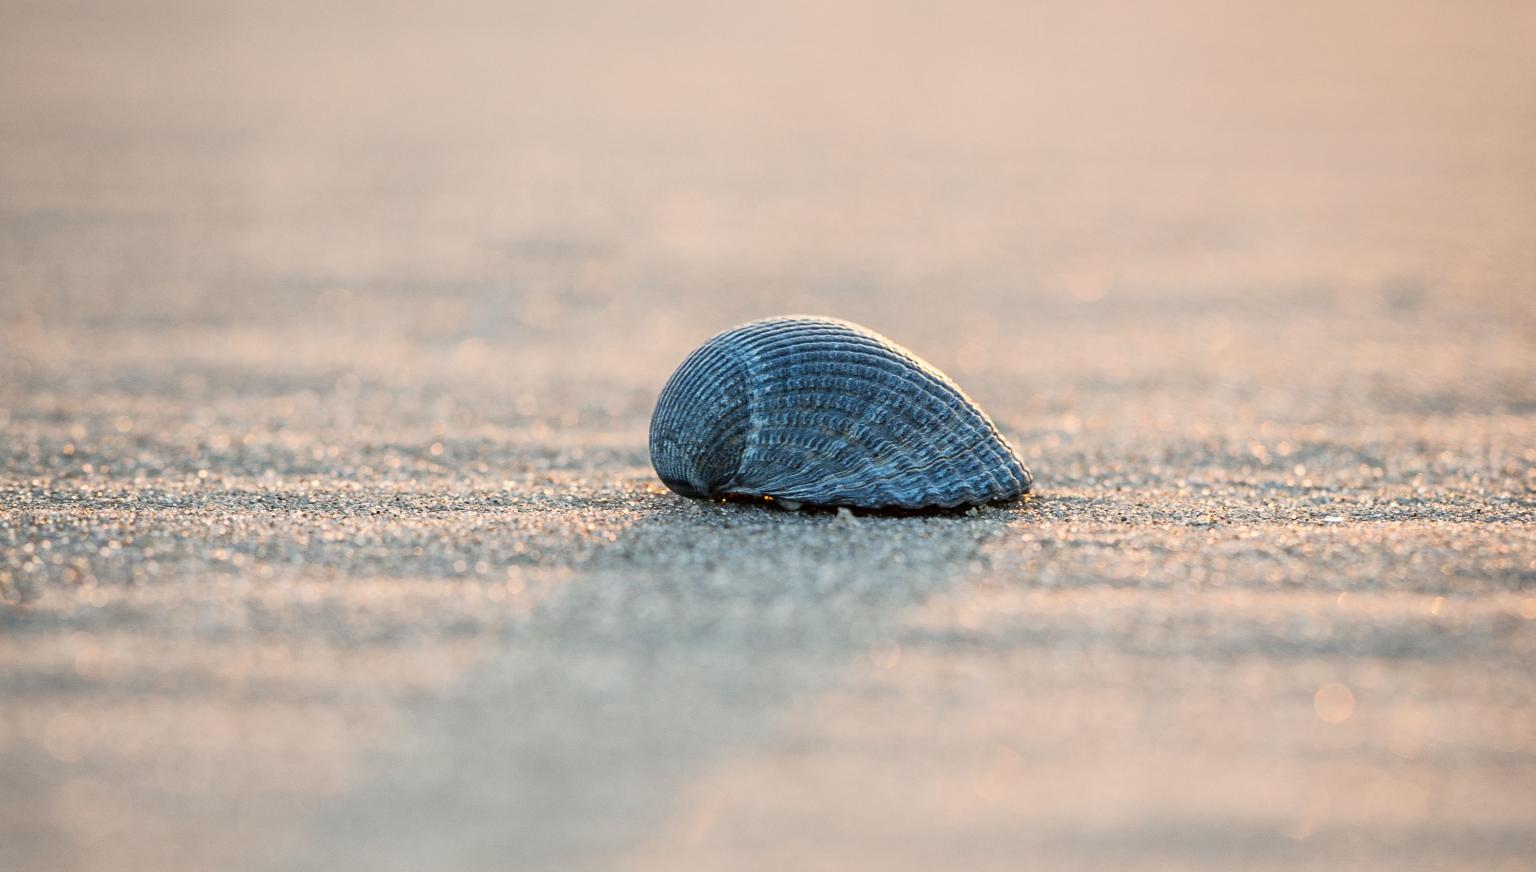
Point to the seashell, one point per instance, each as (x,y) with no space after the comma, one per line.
(824,412)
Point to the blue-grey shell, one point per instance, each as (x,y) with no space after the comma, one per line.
(825,412)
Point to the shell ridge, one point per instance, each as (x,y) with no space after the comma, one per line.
(697,457)
(966,479)
(827,412)
(935,379)
(929,382)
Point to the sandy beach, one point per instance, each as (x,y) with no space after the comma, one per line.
(328,533)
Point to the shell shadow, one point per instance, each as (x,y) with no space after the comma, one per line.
(696,636)
(1022,503)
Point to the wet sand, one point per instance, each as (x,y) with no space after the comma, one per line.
(328,537)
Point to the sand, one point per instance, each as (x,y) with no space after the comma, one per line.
(328,537)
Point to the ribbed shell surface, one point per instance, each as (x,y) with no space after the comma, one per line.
(825,412)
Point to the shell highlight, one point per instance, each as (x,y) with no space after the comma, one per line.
(825,412)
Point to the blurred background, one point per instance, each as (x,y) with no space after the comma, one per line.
(416,272)
(379,186)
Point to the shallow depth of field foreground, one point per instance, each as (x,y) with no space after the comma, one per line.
(329,336)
